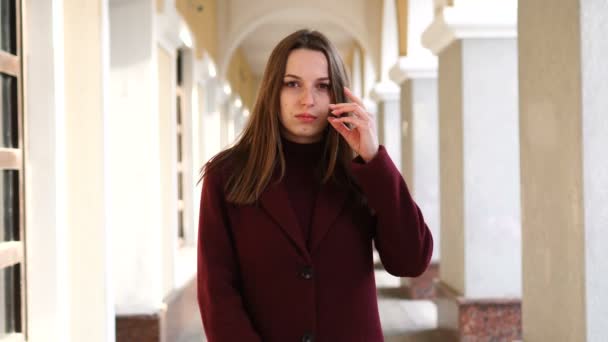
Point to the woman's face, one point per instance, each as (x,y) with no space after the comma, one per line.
(305,96)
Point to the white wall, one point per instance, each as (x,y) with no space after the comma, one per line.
(46,238)
(86,134)
(491,168)
(425,140)
(134,160)
(595,139)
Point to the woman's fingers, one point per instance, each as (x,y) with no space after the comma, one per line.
(352,96)
(357,122)
(342,129)
(340,108)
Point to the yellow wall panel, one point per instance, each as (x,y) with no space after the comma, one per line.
(402,21)
(241,78)
(201,17)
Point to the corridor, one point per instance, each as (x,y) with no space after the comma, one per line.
(490,115)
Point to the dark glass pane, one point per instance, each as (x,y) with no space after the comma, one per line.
(180,224)
(179,110)
(9,123)
(10,299)
(180,190)
(10,205)
(179,148)
(179,67)
(8,26)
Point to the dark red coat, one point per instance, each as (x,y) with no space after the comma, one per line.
(257,281)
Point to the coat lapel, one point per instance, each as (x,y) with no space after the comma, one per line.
(329,204)
(275,202)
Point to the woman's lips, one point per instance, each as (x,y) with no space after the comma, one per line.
(306,117)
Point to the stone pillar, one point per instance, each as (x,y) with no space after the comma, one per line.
(190,198)
(47,237)
(480,275)
(356,83)
(385,92)
(225,117)
(91,308)
(141,155)
(389,122)
(416,73)
(564,133)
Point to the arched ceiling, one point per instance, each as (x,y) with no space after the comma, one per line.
(257,26)
(257,45)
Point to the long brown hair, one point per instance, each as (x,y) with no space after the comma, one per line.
(252,161)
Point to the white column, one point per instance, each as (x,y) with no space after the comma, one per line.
(416,73)
(210,120)
(479,150)
(189,86)
(86,178)
(357,72)
(226,118)
(47,240)
(564,134)
(479,174)
(134,155)
(385,92)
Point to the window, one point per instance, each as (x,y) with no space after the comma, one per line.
(12,271)
(179,93)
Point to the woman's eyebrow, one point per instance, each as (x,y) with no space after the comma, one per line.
(299,78)
(294,76)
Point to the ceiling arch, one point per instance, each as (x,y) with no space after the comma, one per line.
(291,17)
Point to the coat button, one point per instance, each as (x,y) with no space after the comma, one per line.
(306,272)
(308,337)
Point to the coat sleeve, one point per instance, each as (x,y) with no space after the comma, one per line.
(218,289)
(402,238)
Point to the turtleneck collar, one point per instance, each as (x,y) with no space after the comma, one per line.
(302,154)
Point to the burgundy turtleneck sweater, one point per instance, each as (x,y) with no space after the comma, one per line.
(300,180)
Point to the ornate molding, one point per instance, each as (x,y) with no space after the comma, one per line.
(168,25)
(385,91)
(490,20)
(413,68)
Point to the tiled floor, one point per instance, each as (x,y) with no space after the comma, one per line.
(402,320)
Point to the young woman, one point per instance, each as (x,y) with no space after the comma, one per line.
(290,214)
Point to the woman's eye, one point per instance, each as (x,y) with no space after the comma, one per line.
(324,86)
(291,84)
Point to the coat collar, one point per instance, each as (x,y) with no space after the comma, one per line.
(330,202)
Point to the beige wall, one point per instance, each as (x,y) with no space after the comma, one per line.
(348,61)
(166,94)
(451,172)
(402,22)
(551,168)
(241,78)
(203,24)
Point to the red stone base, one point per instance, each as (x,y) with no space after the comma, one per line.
(478,320)
(422,287)
(180,317)
(141,328)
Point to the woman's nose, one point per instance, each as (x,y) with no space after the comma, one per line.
(307,96)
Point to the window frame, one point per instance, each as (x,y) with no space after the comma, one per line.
(179,139)
(12,253)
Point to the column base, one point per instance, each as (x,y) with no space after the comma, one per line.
(422,287)
(485,319)
(144,328)
(179,318)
